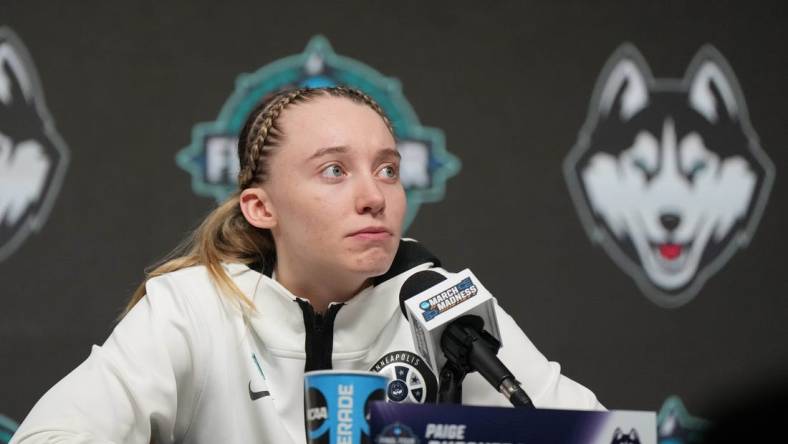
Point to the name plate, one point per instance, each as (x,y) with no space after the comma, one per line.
(392,423)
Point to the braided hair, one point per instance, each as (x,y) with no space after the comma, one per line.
(262,132)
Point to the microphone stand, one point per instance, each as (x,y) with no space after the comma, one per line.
(450,384)
(468,347)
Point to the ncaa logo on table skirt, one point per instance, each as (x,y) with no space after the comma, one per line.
(410,378)
(33,156)
(212,158)
(667,174)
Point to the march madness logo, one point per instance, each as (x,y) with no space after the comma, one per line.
(212,160)
(667,174)
(33,157)
(449,298)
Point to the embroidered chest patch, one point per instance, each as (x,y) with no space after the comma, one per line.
(411,379)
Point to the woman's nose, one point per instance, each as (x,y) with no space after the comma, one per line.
(369,196)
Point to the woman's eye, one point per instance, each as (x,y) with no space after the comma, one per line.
(642,165)
(389,172)
(333,171)
(697,167)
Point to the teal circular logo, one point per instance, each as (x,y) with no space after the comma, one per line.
(211,157)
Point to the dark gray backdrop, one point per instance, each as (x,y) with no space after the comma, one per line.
(508,83)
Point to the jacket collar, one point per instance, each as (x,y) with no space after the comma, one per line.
(279,321)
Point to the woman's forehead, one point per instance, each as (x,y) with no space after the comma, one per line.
(328,121)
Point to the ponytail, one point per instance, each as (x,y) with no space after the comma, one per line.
(224,236)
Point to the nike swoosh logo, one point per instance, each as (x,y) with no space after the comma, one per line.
(257,395)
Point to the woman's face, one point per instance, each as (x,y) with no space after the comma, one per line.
(334,189)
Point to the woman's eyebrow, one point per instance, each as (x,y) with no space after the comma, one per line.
(382,154)
(328,150)
(388,152)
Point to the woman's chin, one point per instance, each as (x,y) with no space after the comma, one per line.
(372,263)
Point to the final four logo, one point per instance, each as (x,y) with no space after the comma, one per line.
(667,173)
(212,161)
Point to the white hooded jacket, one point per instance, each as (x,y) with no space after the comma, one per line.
(187,365)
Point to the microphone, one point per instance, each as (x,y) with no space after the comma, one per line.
(454,327)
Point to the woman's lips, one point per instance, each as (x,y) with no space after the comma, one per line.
(371,234)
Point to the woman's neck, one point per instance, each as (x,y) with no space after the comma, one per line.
(321,289)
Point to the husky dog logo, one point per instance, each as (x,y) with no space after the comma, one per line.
(667,174)
(619,437)
(33,157)
(211,157)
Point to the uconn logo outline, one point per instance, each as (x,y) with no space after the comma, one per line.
(33,155)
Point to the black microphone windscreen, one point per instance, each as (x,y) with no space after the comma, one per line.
(417,283)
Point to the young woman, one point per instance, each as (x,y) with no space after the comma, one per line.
(299,270)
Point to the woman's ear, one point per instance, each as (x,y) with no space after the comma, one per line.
(257,208)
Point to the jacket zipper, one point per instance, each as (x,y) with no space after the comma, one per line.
(319,338)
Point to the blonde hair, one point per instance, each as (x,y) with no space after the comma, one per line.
(225,236)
